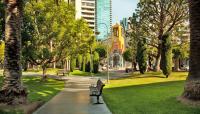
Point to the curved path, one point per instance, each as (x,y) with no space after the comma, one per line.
(74,99)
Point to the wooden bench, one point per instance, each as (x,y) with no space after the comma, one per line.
(62,72)
(97,90)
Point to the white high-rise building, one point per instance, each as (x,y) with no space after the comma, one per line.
(86,9)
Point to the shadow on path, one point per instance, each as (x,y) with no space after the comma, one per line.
(74,99)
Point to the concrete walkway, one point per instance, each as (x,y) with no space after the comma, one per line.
(74,99)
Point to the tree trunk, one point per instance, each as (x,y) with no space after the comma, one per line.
(158,58)
(176,64)
(134,66)
(192,86)
(44,77)
(25,65)
(13,92)
(65,65)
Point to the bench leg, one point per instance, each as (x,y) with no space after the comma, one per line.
(98,100)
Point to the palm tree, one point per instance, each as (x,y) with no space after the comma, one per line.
(12,91)
(192,86)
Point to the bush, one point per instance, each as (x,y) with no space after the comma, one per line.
(101,51)
(96,63)
(72,64)
(142,55)
(166,55)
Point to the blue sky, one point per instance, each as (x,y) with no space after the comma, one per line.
(123,8)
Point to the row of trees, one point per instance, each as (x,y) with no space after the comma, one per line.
(157,28)
(13,91)
(160,23)
(52,34)
(86,62)
(39,33)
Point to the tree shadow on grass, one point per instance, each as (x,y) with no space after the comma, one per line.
(39,90)
(139,76)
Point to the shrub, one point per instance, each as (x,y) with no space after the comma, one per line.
(142,55)
(101,51)
(166,55)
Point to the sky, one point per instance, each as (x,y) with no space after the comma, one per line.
(123,8)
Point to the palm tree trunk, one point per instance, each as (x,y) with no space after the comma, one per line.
(192,86)
(12,91)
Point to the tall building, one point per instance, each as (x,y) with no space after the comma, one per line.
(103,18)
(125,23)
(85,9)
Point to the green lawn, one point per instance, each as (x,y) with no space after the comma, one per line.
(54,72)
(147,94)
(51,71)
(38,90)
(80,73)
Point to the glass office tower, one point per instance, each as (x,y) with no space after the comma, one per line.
(103,18)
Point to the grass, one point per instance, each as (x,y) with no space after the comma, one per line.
(80,73)
(150,93)
(48,71)
(37,90)
(54,72)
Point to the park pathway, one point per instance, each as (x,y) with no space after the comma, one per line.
(74,99)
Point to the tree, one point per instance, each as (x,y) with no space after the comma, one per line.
(142,55)
(27,32)
(180,52)
(180,43)
(54,27)
(134,36)
(84,64)
(192,86)
(166,55)
(176,56)
(101,50)
(13,91)
(127,55)
(80,60)
(159,18)
(96,62)
(87,68)
(72,64)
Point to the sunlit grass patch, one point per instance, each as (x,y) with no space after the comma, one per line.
(149,77)
(150,93)
(37,91)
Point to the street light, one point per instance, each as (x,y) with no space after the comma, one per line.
(108,76)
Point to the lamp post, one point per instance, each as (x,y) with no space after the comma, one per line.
(108,75)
